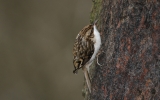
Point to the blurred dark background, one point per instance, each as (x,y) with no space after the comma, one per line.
(36,40)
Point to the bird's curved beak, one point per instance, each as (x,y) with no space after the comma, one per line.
(95,22)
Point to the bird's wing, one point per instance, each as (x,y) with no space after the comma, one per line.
(83,48)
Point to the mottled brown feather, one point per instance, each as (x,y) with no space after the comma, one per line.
(83,47)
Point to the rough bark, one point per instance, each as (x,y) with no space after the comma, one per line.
(130,51)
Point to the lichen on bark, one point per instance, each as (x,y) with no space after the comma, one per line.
(95,11)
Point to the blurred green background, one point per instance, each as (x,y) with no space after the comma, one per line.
(36,40)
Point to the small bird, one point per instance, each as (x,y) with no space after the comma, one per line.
(86,46)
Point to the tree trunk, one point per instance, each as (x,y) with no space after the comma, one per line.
(130,50)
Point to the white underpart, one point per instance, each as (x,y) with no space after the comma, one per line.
(97,45)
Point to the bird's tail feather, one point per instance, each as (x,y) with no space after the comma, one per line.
(86,74)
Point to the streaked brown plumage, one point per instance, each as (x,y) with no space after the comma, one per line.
(85,48)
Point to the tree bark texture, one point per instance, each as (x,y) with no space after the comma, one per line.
(130,50)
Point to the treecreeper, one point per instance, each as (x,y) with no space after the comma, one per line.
(85,49)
